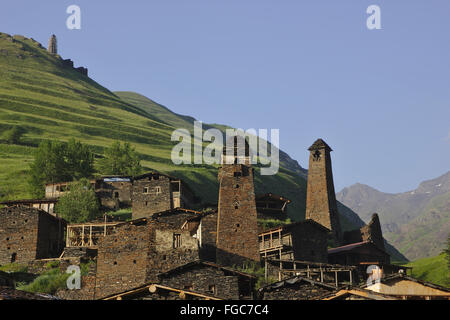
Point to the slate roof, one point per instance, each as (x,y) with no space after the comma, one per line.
(7,293)
(206,264)
(319,144)
(292,281)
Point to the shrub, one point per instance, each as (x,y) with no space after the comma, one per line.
(80,204)
(48,282)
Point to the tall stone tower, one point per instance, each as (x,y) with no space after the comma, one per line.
(320,197)
(52,45)
(237,225)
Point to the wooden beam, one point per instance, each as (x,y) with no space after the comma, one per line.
(156,287)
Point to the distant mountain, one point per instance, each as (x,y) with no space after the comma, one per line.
(416,222)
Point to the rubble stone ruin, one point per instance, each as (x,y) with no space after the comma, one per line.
(320,198)
(52,45)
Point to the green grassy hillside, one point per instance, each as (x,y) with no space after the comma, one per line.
(50,101)
(432,269)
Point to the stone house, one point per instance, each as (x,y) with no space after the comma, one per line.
(304,240)
(27,234)
(58,189)
(113,192)
(210,279)
(156,192)
(271,206)
(360,253)
(193,281)
(48,205)
(135,252)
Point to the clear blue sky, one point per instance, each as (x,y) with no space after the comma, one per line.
(380,98)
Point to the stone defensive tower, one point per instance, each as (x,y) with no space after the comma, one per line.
(237,226)
(52,45)
(320,198)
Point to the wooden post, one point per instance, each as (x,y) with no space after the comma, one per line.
(336,277)
(321,274)
(265,269)
(90,236)
(271,241)
(67,237)
(82,236)
(351,280)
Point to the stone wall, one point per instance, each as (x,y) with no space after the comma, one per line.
(298,291)
(122,259)
(27,234)
(5,280)
(151,194)
(137,252)
(208,231)
(309,242)
(87,290)
(18,234)
(114,194)
(51,240)
(370,232)
(204,279)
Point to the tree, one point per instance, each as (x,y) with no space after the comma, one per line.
(79,159)
(49,166)
(121,160)
(13,135)
(56,161)
(80,204)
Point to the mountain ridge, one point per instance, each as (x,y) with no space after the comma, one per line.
(415,221)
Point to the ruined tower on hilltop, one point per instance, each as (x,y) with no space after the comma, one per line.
(52,45)
(320,198)
(237,226)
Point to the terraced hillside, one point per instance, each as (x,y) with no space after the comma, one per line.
(48,100)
